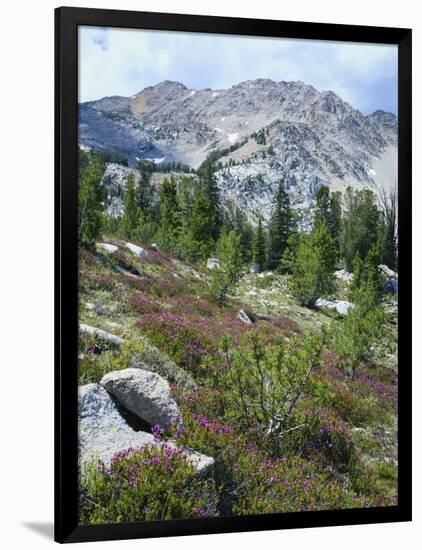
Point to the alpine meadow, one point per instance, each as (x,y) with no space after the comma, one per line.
(237,286)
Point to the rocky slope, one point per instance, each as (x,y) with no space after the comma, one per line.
(274,130)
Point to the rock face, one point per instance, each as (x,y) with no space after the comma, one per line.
(145,394)
(244,317)
(104,431)
(101,335)
(137,250)
(213,263)
(275,130)
(341,306)
(108,247)
(387,271)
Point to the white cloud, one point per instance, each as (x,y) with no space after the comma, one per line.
(122,62)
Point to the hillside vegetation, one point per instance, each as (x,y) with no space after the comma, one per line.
(279,346)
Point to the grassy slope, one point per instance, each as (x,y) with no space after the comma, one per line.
(163,302)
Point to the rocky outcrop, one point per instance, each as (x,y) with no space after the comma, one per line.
(104,431)
(341,306)
(275,130)
(213,263)
(244,317)
(137,250)
(145,394)
(108,247)
(106,337)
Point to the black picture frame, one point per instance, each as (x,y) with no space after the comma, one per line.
(67,20)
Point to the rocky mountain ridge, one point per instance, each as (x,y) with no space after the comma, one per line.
(265,130)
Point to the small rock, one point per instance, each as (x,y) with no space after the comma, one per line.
(340,306)
(213,263)
(101,334)
(389,272)
(108,247)
(343,275)
(244,317)
(155,247)
(137,250)
(144,393)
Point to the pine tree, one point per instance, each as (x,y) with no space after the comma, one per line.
(360,224)
(367,275)
(313,268)
(90,201)
(279,227)
(201,232)
(389,229)
(231,262)
(130,219)
(209,187)
(167,232)
(259,247)
(328,211)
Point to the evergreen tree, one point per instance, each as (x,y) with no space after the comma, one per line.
(231,262)
(201,232)
(366,274)
(389,229)
(209,187)
(313,267)
(167,232)
(259,247)
(279,227)
(90,201)
(360,225)
(130,219)
(328,211)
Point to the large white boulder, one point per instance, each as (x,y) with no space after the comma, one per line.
(387,271)
(137,250)
(341,306)
(104,432)
(144,393)
(343,275)
(213,263)
(101,334)
(108,247)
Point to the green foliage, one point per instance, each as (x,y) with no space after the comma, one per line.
(359,331)
(259,247)
(280,226)
(169,219)
(313,267)
(388,229)
(266,386)
(360,225)
(224,278)
(328,211)
(367,275)
(130,219)
(90,200)
(144,485)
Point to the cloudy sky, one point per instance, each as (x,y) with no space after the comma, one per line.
(123,62)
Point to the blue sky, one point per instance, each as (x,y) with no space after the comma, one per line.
(123,62)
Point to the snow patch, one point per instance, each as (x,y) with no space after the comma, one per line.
(232,137)
(193,92)
(157,160)
(215,94)
(371,172)
(218,129)
(222,118)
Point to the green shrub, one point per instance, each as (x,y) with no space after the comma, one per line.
(152,483)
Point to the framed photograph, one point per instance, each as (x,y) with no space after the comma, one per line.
(232,221)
